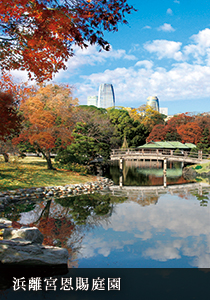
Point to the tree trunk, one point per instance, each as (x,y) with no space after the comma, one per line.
(49,163)
(6,157)
(48,159)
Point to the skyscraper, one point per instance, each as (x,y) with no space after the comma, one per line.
(92,100)
(153,102)
(106,96)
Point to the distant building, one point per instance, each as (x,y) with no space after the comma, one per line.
(106,96)
(153,102)
(163,110)
(92,100)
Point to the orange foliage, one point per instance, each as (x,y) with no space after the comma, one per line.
(158,133)
(47,116)
(55,229)
(190,132)
(180,119)
(38,35)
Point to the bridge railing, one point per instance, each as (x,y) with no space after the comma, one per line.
(158,152)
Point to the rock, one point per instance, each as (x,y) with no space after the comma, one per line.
(25,253)
(5,222)
(31,234)
(189,173)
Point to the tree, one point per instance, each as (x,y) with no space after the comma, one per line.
(125,126)
(48,119)
(158,133)
(204,143)
(10,96)
(10,120)
(180,119)
(38,35)
(190,132)
(147,116)
(174,123)
(203,120)
(91,137)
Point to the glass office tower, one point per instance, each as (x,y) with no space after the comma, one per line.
(153,102)
(92,100)
(106,96)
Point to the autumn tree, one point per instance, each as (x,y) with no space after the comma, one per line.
(158,133)
(48,119)
(11,94)
(190,132)
(180,119)
(147,116)
(38,35)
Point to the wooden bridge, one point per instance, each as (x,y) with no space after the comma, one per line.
(158,154)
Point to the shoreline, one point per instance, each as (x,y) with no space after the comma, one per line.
(47,193)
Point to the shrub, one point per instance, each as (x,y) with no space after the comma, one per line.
(177,152)
(198,167)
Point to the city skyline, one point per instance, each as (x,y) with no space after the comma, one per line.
(164,51)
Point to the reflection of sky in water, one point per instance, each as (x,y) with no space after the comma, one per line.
(172,233)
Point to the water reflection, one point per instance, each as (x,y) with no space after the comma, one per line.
(127,227)
(146,173)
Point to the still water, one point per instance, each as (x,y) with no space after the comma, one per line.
(140,225)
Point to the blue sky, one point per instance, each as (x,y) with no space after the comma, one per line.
(163,52)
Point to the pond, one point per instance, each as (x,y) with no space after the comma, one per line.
(143,225)
(129,226)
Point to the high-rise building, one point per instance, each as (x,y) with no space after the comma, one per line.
(92,100)
(153,102)
(106,96)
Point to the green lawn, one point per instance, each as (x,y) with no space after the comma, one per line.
(202,168)
(32,172)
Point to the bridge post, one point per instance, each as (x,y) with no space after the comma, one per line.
(164,165)
(121,164)
(121,181)
(164,180)
(200,154)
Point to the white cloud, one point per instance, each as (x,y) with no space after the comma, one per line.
(145,63)
(176,1)
(163,252)
(91,56)
(147,27)
(166,27)
(149,222)
(169,11)
(200,47)
(164,48)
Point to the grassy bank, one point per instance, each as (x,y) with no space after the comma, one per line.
(201,168)
(32,172)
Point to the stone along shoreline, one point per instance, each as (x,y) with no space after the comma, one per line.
(24,246)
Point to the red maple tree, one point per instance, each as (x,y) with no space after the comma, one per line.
(158,133)
(190,132)
(11,94)
(38,35)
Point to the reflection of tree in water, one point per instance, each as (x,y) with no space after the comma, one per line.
(203,197)
(12,211)
(62,221)
(130,175)
(83,206)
